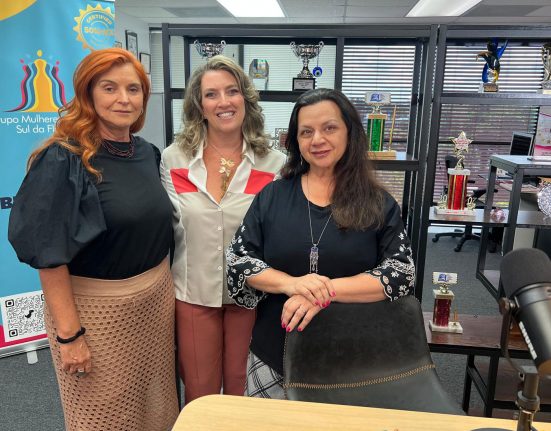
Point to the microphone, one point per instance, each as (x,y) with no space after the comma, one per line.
(526,280)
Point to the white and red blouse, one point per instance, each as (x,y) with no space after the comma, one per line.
(203,228)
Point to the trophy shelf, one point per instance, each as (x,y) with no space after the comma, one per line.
(479,218)
(499,98)
(402,162)
(525,219)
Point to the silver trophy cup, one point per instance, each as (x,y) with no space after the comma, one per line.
(208,50)
(259,70)
(306,53)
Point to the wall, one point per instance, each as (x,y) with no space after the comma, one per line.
(126,22)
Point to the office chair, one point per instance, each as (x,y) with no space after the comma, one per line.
(372,354)
(467,233)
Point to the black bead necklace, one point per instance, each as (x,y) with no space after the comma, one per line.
(111,149)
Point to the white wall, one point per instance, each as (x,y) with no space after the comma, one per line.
(125,22)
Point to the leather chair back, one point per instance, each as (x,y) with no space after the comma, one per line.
(372,354)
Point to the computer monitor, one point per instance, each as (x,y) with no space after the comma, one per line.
(522,144)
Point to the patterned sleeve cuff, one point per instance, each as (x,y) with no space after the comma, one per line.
(240,268)
(396,276)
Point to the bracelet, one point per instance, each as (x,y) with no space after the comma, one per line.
(80,332)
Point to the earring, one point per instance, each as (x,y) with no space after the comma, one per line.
(301,160)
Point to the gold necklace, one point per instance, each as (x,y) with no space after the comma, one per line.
(226,166)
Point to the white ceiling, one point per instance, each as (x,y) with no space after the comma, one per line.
(336,12)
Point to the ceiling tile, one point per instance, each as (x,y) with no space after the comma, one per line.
(377,11)
(501,11)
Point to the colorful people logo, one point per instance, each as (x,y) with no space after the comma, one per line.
(41,88)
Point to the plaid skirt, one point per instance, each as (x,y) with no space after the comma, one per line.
(262,380)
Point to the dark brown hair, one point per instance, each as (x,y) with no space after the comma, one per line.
(358,198)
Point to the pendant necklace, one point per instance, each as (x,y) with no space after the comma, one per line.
(112,149)
(314,251)
(226,165)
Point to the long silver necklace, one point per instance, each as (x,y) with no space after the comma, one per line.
(314,251)
(226,166)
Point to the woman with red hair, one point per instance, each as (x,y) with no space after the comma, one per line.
(94,219)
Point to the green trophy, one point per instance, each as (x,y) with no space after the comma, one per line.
(376,120)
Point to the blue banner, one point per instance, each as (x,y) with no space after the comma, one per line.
(47,40)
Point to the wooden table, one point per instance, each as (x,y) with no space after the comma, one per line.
(224,412)
(480,337)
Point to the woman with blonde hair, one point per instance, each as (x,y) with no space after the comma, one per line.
(93,218)
(212,173)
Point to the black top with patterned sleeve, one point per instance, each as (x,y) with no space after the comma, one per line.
(276,234)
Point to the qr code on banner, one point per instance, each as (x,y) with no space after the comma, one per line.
(22,315)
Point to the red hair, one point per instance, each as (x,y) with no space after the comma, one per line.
(76,129)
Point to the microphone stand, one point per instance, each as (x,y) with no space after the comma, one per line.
(527,400)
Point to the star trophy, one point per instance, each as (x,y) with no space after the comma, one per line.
(546,59)
(208,50)
(305,80)
(376,126)
(490,72)
(443,298)
(455,201)
(258,72)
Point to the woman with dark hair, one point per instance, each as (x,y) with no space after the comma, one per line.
(325,232)
(93,218)
(212,172)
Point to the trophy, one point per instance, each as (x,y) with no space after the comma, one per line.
(281,139)
(376,126)
(208,50)
(258,72)
(443,298)
(546,59)
(490,72)
(305,80)
(456,202)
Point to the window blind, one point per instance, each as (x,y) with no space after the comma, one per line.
(489,126)
(387,69)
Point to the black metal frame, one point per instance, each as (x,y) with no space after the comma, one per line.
(424,38)
(451,34)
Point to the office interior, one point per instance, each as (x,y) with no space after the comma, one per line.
(429,65)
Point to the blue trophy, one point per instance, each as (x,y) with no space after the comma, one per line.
(490,73)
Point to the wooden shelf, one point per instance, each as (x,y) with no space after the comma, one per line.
(508,384)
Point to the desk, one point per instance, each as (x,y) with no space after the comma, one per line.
(481,337)
(224,412)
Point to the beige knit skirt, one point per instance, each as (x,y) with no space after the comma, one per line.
(130,332)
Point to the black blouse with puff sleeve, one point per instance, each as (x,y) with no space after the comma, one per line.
(114,229)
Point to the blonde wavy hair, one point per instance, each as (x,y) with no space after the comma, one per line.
(77,127)
(195,126)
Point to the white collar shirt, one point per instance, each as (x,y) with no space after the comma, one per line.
(203,228)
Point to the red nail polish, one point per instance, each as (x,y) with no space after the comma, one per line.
(299,329)
(316,303)
(283,325)
(288,329)
(333,294)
